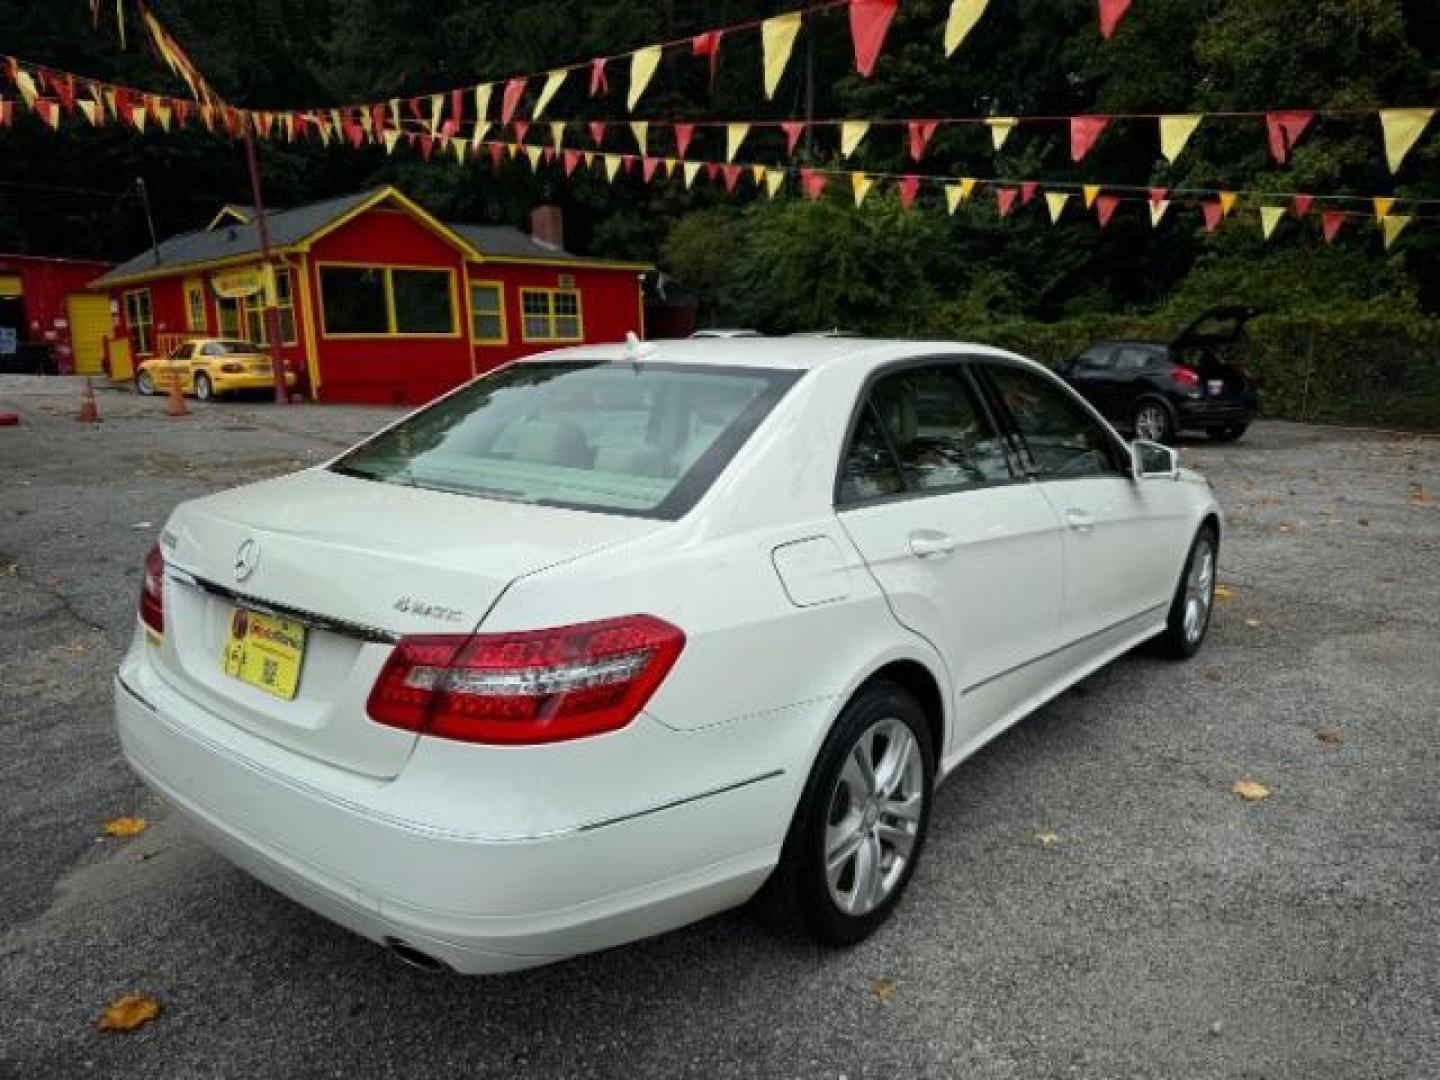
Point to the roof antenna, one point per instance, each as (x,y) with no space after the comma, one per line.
(637,350)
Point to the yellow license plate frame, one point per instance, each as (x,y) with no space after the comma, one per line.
(265,651)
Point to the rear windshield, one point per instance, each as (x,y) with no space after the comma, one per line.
(639,439)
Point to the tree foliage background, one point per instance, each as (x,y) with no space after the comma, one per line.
(791,264)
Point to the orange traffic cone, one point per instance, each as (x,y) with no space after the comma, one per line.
(175,403)
(89,411)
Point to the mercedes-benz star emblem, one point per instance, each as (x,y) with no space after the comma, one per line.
(247,558)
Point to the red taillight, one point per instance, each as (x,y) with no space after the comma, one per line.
(152,591)
(533,687)
(1188,378)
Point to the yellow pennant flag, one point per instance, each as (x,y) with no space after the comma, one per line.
(1394,225)
(534,152)
(437,106)
(734,136)
(458,147)
(1227,202)
(1175,132)
(777,37)
(557,133)
(589,156)
(162,115)
(669,164)
(612,165)
(757,173)
(1402,128)
(774,181)
(851,132)
(1383,206)
(1056,202)
(91,109)
(643,63)
(395,111)
(25,83)
(641,131)
(860,184)
(955,194)
(391,138)
(1092,192)
(1270,217)
(1157,212)
(288,120)
(482,128)
(111,99)
(137,117)
(964,14)
(553,82)
(1000,128)
(513,149)
(482,101)
(690,169)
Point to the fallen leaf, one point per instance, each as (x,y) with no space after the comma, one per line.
(1214,674)
(1330,736)
(1224,593)
(1252,623)
(1363,521)
(1284,527)
(126,826)
(1047,837)
(883,988)
(1386,579)
(129,1012)
(1250,790)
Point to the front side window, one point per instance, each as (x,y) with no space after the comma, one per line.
(1058,438)
(229,311)
(550,314)
(639,439)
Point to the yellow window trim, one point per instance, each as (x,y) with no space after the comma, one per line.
(489,283)
(194,285)
(551,318)
(391,333)
(307,316)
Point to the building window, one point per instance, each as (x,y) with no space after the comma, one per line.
(550,314)
(254,309)
(487,311)
(137,317)
(230,311)
(195,306)
(385,301)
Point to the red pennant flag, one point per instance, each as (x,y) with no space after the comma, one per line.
(1105,208)
(627,162)
(793,130)
(450,128)
(647,168)
(869,23)
(1285,131)
(182,113)
(572,158)
(1005,200)
(812,182)
(732,177)
(597,131)
(1084,130)
(1331,222)
(497,153)
(1302,205)
(7,112)
(1214,214)
(1158,195)
(1111,12)
(599,84)
(707,44)
(1027,192)
(712,169)
(548,154)
(921,132)
(427,146)
(683,134)
(65,90)
(377,119)
(522,128)
(47,110)
(510,100)
(909,187)
(457,105)
(415,110)
(355,133)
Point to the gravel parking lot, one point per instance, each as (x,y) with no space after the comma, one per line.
(1094,902)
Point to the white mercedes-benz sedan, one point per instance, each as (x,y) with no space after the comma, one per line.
(608,639)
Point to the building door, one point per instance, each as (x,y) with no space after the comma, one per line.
(12,319)
(89,315)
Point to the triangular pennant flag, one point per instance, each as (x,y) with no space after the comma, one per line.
(510,99)
(91,110)
(860,185)
(569,159)
(627,163)
(458,147)
(1111,12)
(497,154)
(137,115)
(49,111)
(553,81)
(1055,201)
(732,177)
(427,146)
(588,156)
(1214,214)
(964,14)
(869,23)
(1000,128)
(457,106)
(1302,205)
(707,44)
(612,166)
(25,83)
(777,37)
(1331,222)
(597,131)
(953,195)
(757,173)
(851,132)
(689,169)
(813,183)
(1027,192)
(1175,132)
(643,63)
(1005,200)
(641,130)
(512,149)
(437,106)
(1269,218)
(1383,206)
(482,100)
(1157,211)
(391,137)
(774,181)
(7,112)
(1285,129)
(557,133)
(647,168)
(921,132)
(522,129)
(1394,225)
(793,130)
(909,187)
(599,84)
(734,136)
(533,153)
(1158,195)
(1091,192)
(1084,130)
(1402,128)
(482,128)
(1105,208)
(712,169)
(683,134)
(1227,202)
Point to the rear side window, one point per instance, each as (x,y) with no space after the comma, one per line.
(638,439)
(1099,358)
(1057,437)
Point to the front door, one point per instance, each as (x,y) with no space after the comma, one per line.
(968,552)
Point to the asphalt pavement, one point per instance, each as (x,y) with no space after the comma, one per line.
(1094,900)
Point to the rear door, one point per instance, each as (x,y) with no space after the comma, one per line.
(967,551)
(1092,373)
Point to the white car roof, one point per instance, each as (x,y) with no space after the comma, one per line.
(790,354)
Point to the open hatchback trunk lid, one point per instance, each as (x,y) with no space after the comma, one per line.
(1216,326)
(330,570)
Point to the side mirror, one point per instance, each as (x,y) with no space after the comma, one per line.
(1151,461)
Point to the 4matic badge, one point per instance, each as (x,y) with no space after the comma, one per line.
(429,611)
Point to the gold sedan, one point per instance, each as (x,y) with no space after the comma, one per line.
(210,366)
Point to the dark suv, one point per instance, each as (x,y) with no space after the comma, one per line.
(1157,389)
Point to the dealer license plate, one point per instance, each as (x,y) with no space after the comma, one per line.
(265,651)
(1217,387)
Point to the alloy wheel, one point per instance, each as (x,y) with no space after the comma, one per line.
(1199,590)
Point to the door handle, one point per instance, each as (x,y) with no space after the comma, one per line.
(931,544)
(1079,520)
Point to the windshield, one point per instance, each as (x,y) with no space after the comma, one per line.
(639,439)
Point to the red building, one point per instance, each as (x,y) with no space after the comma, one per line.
(379,301)
(47,319)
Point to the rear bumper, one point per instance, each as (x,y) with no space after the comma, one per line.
(1214,414)
(478,904)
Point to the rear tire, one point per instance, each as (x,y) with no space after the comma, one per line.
(204,389)
(1194,601)
(1227,434)
(1153,421)
(860,827)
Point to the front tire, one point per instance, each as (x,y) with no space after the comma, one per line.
(1194,600)
(204,389)
(1153,421)
(860,826)
(145,384)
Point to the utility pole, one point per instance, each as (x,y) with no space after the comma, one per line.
(149,221)
(268,281)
